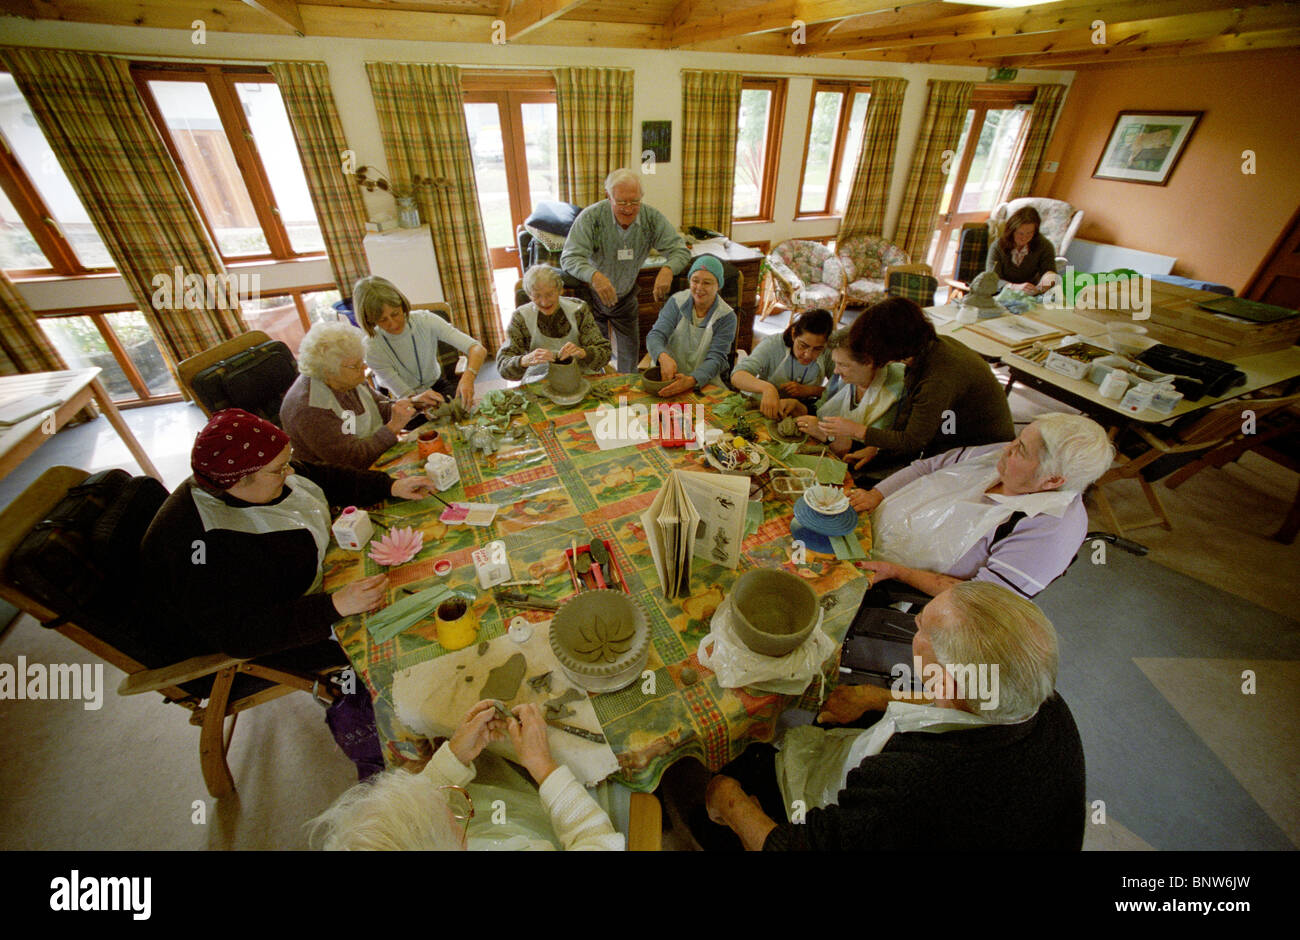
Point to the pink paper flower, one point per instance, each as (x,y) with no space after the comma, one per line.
(397,546)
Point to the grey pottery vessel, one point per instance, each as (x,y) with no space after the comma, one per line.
(614,625)
(773,611)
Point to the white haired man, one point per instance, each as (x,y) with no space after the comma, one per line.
(331,415)
(990,764)
(607,245)
(1011,514)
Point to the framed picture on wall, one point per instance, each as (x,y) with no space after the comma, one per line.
(1144,146)
(657,138)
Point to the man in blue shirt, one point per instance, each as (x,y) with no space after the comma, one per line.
(607,245)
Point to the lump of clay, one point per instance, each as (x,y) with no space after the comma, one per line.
(787,427)
(503,681)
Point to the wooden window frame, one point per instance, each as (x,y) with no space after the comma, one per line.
(771,146)
(98,314)
(220,81)
(847,89)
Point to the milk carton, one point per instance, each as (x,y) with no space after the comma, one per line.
(353,529)
(442,470)
(491,564)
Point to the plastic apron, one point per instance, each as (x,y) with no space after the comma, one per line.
(689,344)
(813,764)
(367,423)
(935,520)
(541,341)
(304,508)
(871,407)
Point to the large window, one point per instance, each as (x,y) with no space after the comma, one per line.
(758,148)
(831,147)
(228,131)
(120,343)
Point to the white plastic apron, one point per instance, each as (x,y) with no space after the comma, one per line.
(689,344)
(934,520)
(367,423)
(542,341)
(814,763)
(304,508)
(875,401)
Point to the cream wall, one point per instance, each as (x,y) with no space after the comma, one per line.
(657,96)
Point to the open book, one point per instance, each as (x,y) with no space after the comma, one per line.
(695,514)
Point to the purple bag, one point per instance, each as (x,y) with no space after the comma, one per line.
(351,720)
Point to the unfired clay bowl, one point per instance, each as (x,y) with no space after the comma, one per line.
(564,376)
(601,639)
(773,611)
(651,382)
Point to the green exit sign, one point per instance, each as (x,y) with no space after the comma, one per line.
(1003,75)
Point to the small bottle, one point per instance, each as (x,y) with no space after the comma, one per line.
(1114,384)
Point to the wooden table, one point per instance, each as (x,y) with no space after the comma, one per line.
(74,389)
(945,323)
(556,487)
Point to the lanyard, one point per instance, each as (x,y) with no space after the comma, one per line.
(415,348)
(803,378)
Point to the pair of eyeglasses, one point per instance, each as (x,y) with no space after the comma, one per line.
(460,803)
(627,204)
(805,347)
(284,469)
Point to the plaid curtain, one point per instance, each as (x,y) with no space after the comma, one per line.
(710,121)
(336,197)
(594,126)
(93,118)
(23,346)
(865,212)
(1046,103)
(422,126)
(940,133)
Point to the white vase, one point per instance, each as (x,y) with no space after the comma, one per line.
(408,213)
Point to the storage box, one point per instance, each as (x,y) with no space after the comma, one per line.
(1074,360)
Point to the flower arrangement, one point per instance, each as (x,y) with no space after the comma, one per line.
(371,178)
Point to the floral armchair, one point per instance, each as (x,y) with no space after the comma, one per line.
(802,275)
(865,258)
(1060,220)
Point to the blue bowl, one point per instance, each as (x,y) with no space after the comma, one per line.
(841,524)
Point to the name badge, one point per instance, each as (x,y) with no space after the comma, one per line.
(625,254)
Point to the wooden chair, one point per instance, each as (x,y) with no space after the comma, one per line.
(972,259)
(219,686)
(188,368)
(1221,427)
(916,282)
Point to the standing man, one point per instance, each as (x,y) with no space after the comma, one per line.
(607,245)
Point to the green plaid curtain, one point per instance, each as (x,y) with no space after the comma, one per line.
(594,125)
(305,88)
(1047,102)
(422,126)
(96,124)
(710,121)
(940,131)
(869,195)
(23,346)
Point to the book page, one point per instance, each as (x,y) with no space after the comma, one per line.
(720,502)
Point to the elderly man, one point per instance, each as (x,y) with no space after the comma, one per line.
(993,763)
(606,247)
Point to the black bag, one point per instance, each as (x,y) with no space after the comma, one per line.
(82,561)
(254,380)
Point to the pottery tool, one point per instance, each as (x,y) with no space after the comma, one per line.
(502,712)
(580,732)
(522,581)
(600,557)
(519,599)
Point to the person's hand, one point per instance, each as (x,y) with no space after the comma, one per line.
(842,427)
(771,403)
(789,408)
(678,386)
(403,411)
(605,289)
(537,357)
(479,728)
(1025,287)
(465,390)
(861,457)
(808,424)
(883,571)
(863,500)
(429,397)
(848,703)
(720,795)
(667,367)
(416,487)
(663,284)
(527,733)
(799,390)
(361,596)
(574,350)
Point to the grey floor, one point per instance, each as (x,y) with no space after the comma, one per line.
(1154,651)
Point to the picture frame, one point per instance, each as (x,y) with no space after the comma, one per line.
(656,138)
(1145,146)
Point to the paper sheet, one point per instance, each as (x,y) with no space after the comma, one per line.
(618,427)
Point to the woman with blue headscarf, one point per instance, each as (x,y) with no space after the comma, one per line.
(691,341)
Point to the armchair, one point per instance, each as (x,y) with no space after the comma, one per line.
(865,259)
(802,275)
(1060,220)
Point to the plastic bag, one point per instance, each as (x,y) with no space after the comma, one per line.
(736,665)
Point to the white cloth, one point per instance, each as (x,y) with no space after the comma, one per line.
(367,423)
(540,341)
(689,344)
(934,520)
(876,399)
(304,508)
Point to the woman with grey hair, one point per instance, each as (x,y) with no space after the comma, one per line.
(331,415)
(550,327)
(403,345)
(1011,514)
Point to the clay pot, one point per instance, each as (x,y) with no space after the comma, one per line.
(564,376)
(430,442)
(651,383)
(601,639)
(457,625)
(772,611)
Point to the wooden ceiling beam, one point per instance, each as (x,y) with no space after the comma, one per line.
(284,12)
(1242,42)
(24,8)
(710,25)
(528,15)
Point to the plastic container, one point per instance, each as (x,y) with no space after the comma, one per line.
(353,529)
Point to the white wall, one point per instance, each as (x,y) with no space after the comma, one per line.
(657,97)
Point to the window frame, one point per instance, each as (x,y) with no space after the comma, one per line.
(220,81)
(772,145)
(847,89)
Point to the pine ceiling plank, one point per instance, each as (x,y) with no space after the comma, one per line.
(716,21)
(284,12)
(528,15)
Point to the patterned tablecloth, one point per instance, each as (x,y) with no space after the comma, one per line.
(554,486)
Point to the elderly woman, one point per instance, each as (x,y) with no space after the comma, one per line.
(1011,514)
(331,415)
(861,395)
(692,339)
(444,807)
(403,346)
(788,368)
(235,552)
(1022,258)
(550,327)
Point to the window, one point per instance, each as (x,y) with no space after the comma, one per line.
(120,343)
(44,228)
(228,131)
(758,148)
(832,146)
